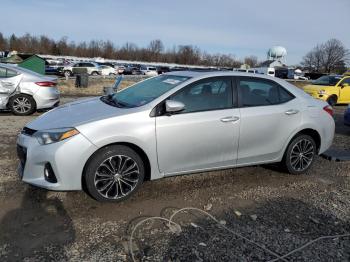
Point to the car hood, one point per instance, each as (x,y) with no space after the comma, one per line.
(315,87)
(75,113)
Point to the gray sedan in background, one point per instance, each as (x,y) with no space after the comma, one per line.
(176,123)
(23,91)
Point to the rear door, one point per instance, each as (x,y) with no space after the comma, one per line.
(9,80)
(269,114)
(205,134)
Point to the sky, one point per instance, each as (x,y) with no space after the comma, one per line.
(241,28)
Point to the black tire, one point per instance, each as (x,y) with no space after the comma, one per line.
(97,174)
(68,73)
(332,101)
(22,105)
(288,162)
(94,73)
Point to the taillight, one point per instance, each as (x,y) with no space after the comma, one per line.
(46,83)
(329,110)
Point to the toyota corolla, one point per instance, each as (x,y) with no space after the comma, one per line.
(176,123)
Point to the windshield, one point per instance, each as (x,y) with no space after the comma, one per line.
(146,91)
(327,80)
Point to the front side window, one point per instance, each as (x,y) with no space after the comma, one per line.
(205,95)
(260,92)
(146,91)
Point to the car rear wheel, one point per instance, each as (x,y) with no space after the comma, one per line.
(22,105)
(300,155)
(94,73)
(114,173)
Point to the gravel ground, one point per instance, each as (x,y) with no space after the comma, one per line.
(274,210)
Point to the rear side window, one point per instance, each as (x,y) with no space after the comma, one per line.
(7,73)
(261,92)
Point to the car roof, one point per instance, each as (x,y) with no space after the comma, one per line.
(201,74)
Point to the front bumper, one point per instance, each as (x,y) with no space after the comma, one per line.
(316,95)
(67,159)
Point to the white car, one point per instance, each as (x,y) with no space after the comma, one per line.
(90,67)
(172,124)
(23,91)
(108,70)
(149,70)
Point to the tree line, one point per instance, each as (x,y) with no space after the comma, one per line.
(154,52)
(329,57)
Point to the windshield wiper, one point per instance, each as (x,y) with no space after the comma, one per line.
(111,101)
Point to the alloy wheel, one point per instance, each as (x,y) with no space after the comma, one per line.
(116,177)
(21,105)
(302,155)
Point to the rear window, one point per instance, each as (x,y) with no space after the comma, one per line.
(7,73)
(261,92)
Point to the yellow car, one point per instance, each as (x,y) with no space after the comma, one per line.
(332,88)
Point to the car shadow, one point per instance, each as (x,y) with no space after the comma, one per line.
(281,225)
(40,227)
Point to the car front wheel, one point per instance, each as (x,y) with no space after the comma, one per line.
(300,155)
(114,173)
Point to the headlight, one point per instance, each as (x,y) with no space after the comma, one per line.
(321,92)
(46,137)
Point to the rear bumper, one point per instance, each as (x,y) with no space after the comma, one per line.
(47,97)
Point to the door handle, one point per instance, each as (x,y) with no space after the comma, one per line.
(291,112)
(229,119)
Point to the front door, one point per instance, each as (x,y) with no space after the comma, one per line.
(344,90)
(205,134)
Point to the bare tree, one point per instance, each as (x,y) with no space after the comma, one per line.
(327,57)
(183,54)
(252,61)
(334,52)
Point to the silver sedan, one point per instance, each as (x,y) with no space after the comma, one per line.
(23,91)
(176,123)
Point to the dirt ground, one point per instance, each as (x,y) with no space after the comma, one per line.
(258,208)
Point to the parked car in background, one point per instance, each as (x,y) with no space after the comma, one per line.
(108,70)
(91,68)
(132,70)
(148,70)
(162,70)
(347,116)
(172,124)
(331,88)
(121,70)
(23,91)
(270,71)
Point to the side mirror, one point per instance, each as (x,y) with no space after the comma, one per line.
(172,106)
(344,85)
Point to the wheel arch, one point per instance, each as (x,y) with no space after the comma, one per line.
(310,132)
(135,147)
(22,92)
